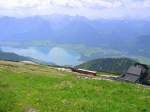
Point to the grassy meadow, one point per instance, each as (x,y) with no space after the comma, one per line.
(39,88)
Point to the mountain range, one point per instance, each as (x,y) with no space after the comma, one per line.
(130,36)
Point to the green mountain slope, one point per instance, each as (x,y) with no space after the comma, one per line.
(111,65)
(38,88)
(13,57)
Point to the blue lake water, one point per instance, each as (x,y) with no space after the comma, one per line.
(57,55)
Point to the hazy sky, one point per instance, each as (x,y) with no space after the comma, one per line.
(135,9)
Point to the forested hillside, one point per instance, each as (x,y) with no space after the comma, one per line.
(113,65)
(12,57)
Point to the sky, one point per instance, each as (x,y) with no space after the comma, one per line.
(93,9)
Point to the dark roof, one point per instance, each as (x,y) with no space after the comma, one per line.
(134,70)
(130,78)
(135,73)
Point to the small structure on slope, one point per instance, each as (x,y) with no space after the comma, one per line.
(138,73)
(83,71)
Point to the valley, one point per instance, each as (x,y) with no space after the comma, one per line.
(90,39)
(74,56)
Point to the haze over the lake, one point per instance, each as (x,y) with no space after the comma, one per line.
(56,55)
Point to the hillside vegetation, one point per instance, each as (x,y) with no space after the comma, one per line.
(12,56)
(111,65)
(39,88)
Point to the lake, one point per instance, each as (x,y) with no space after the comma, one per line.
(57,55)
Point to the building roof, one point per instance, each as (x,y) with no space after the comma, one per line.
(130,78)
(135,73)
(134,70)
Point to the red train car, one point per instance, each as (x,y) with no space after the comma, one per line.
(83,71)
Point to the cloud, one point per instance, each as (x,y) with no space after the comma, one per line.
(85,3)
(97,8)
